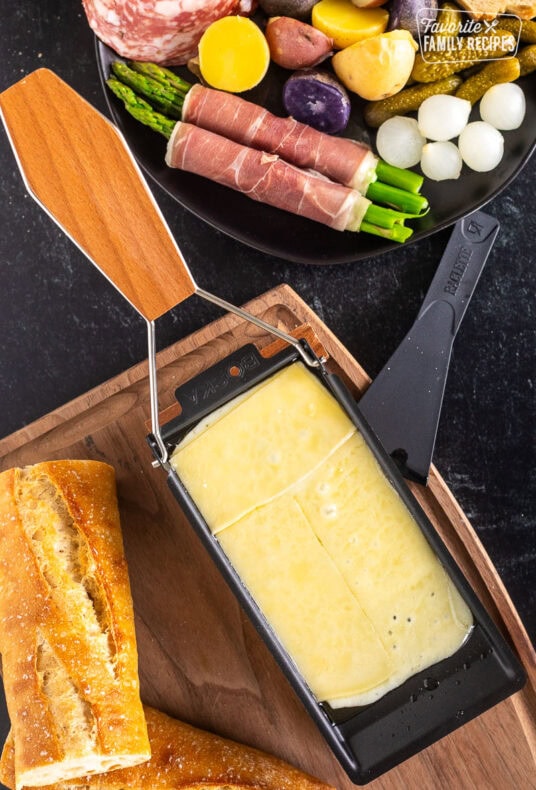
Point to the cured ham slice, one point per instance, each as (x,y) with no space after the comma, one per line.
(340,159)
(163,31)
(265,177)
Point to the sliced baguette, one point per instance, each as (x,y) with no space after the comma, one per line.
(66,624)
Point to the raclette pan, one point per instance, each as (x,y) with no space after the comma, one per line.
(102,190)
(370,740)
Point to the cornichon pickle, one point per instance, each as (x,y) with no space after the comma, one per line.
(527,33)
(471,50)
(449,20)
(474,87)
(407,100)
(527,60)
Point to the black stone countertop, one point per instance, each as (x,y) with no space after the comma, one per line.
(64,329)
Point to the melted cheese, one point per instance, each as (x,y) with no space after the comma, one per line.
(220,466)
(305,599)
(328,550)
(385,560)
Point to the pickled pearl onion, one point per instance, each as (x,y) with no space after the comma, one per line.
(399,141)
(503,106)
(441,161)
(442,117)
(481,146)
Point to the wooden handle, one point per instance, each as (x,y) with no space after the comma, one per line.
(76,164)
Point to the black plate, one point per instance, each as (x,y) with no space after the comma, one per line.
(301,240)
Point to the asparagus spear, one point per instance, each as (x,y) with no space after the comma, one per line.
(400,199)
(140,109)
(164,98)
(161,74)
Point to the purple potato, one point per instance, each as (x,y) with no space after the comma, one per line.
(316,98)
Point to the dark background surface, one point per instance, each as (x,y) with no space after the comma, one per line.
(64,329)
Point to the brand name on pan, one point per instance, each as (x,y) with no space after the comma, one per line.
(213,386)
(458,270)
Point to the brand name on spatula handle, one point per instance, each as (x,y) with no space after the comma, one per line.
(458,270)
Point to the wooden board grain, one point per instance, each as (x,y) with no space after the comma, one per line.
(200,658)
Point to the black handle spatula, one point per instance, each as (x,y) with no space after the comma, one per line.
(403,403)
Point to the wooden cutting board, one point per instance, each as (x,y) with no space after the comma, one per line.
(200,658)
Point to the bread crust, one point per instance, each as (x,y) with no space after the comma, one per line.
(66,623)
(186,758)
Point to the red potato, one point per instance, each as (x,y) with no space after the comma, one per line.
(296,45)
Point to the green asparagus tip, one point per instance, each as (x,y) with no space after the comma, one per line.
(140,109)
(162,98)
(399,177)
(161,74)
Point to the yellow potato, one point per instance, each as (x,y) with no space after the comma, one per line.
(377,67)
(346,24)
(233,54)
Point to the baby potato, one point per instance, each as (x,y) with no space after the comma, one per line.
(377,67)
(296,45)
(342,21)
(233,54)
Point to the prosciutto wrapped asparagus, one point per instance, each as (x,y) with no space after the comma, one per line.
(265,177)
(261,175)
(342,160)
